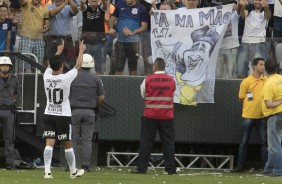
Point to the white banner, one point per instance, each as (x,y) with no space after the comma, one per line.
(189,41)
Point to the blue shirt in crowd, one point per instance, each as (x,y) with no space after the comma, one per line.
(130,17)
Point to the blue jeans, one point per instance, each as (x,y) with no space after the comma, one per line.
(97,52)
(246,128)
(274,136)
(248,52)
(277,27)
(109,45)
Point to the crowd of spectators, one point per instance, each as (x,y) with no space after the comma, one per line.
(31,26)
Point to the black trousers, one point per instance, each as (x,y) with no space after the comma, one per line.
(149,128)
(126,50)
(7,124)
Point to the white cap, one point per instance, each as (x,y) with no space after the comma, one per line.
(4,60)
(88,61)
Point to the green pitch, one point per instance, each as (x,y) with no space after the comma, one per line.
(123,176)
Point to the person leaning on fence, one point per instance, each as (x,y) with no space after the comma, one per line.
(61,21)
(93,30)
(8,96)
(57,115)
(250,95)
(158,91)
(87,94)
(35,22)
(272,109)
(253,41)
(132,19)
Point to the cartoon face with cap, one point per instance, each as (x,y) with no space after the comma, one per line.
(196,59)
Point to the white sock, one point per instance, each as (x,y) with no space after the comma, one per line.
(69,154)
(47,154)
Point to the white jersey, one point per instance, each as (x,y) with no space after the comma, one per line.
(255,28)
(57,90)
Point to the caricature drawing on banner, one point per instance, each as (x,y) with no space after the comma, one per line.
(189,42)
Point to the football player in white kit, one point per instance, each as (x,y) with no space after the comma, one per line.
(57,115)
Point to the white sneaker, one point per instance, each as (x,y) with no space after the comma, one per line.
(78,173)
(48,176)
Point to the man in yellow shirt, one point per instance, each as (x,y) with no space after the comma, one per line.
(34,24)
(250,95)
(272,109)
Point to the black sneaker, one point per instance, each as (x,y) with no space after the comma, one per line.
(85,168)
(171,173)
(238,170)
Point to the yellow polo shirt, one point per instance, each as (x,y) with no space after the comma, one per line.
(252,108)
(33,19)
(272,90)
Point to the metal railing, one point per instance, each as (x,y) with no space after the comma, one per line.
(23,59)
(194,161)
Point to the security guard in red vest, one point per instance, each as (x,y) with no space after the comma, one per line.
(158,91)
(8,96)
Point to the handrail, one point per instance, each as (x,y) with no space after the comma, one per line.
(35,85)
(26,59)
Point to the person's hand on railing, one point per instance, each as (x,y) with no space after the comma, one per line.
(112,31)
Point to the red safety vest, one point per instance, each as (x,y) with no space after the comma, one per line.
(159,94)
